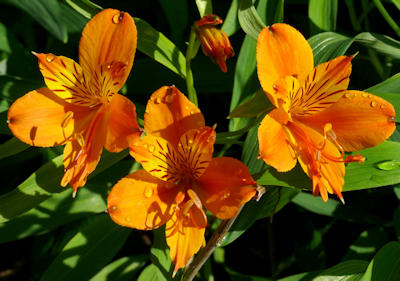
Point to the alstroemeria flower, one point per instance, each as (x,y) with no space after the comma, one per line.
(214,42)
(180,177)
(316,118)
(81,106)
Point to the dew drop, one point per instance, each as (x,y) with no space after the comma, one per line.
(348,95)
(146,146)
(192,112)
(169,99)
(50,58)
(373,103)
(382,106)
(226,195)
(128,219)
(365,95)
(388,165)
(148,192)
(187,107)
(370,96)
(157,101)
(113,208)
(117,18)
(190,141)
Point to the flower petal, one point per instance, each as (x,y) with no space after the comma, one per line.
(274,145)
(359,120)
(322,87)
(65,78)
(141,201)
(282,51)
(225,186)
(109,37)
(183,238)
(162,160)
(83,153)
(40,118)
(169,114)
(123,129)
(320,160)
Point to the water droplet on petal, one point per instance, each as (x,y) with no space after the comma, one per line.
(348,95)
(117,18)
(382,106)
(169,99)
(226,195)
(389,165)
(374,103)
(187,107)
(50,58)
(148,192)
(190,141)
(157,101)
(151,148)
(192,112)
(364,95)
(128,219)
(113,208)
(370,96)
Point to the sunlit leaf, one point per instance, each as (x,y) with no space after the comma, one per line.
(252,107)
(40,186)
(204,7)
(160,48)
(322,14)
(12,147)
(249,19)
(123,269)
(84,7)
(4,44)
(231,21)
(45,12)
(92,247)
(385,264)
(151,273)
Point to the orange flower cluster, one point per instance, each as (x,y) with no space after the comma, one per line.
(316,119)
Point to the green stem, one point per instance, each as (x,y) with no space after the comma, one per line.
(387,17)
(352,13)
(216,239)
(376,63)
(190,54)
(240,131)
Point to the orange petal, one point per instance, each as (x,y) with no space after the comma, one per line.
(123,129)
(83,153)
(282,51)
(183,238)
(359,120)
(162,160)
(320,160)
(141,201)
(109,38)
(323,86)
(225,186)
(65,78)
(40,118)
(274,142)
(169,114)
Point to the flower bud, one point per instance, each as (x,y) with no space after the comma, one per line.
(214,42)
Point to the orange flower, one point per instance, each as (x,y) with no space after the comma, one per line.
(316,118)
(214,42)
(81,106)
(180,177)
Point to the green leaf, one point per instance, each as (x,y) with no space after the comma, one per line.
(4,44)
(347,270)
(236,276)
(204,7)
(177,16)
(59,209)
(257,104)
(45,12)
(231,22)
(151,273)
(334,208)
(368,175)
(385,264)
(396,222)
(328,45)
(40,186)
(274,199)
(249,19)
(160,255)
(85,7)
(295,178)
(368,243)
(322,14)
(74,21)
(93,246)
(160,48)
(123,269)
(274,11)
(12,147)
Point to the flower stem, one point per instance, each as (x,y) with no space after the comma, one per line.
(387,17)
(215,241)
(190,54)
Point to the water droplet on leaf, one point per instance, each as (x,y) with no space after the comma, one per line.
(389,165)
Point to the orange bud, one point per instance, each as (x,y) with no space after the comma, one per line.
(214,42)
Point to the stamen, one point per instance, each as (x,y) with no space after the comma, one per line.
(67,119)
(355,158)
(195,198)
(186,207)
